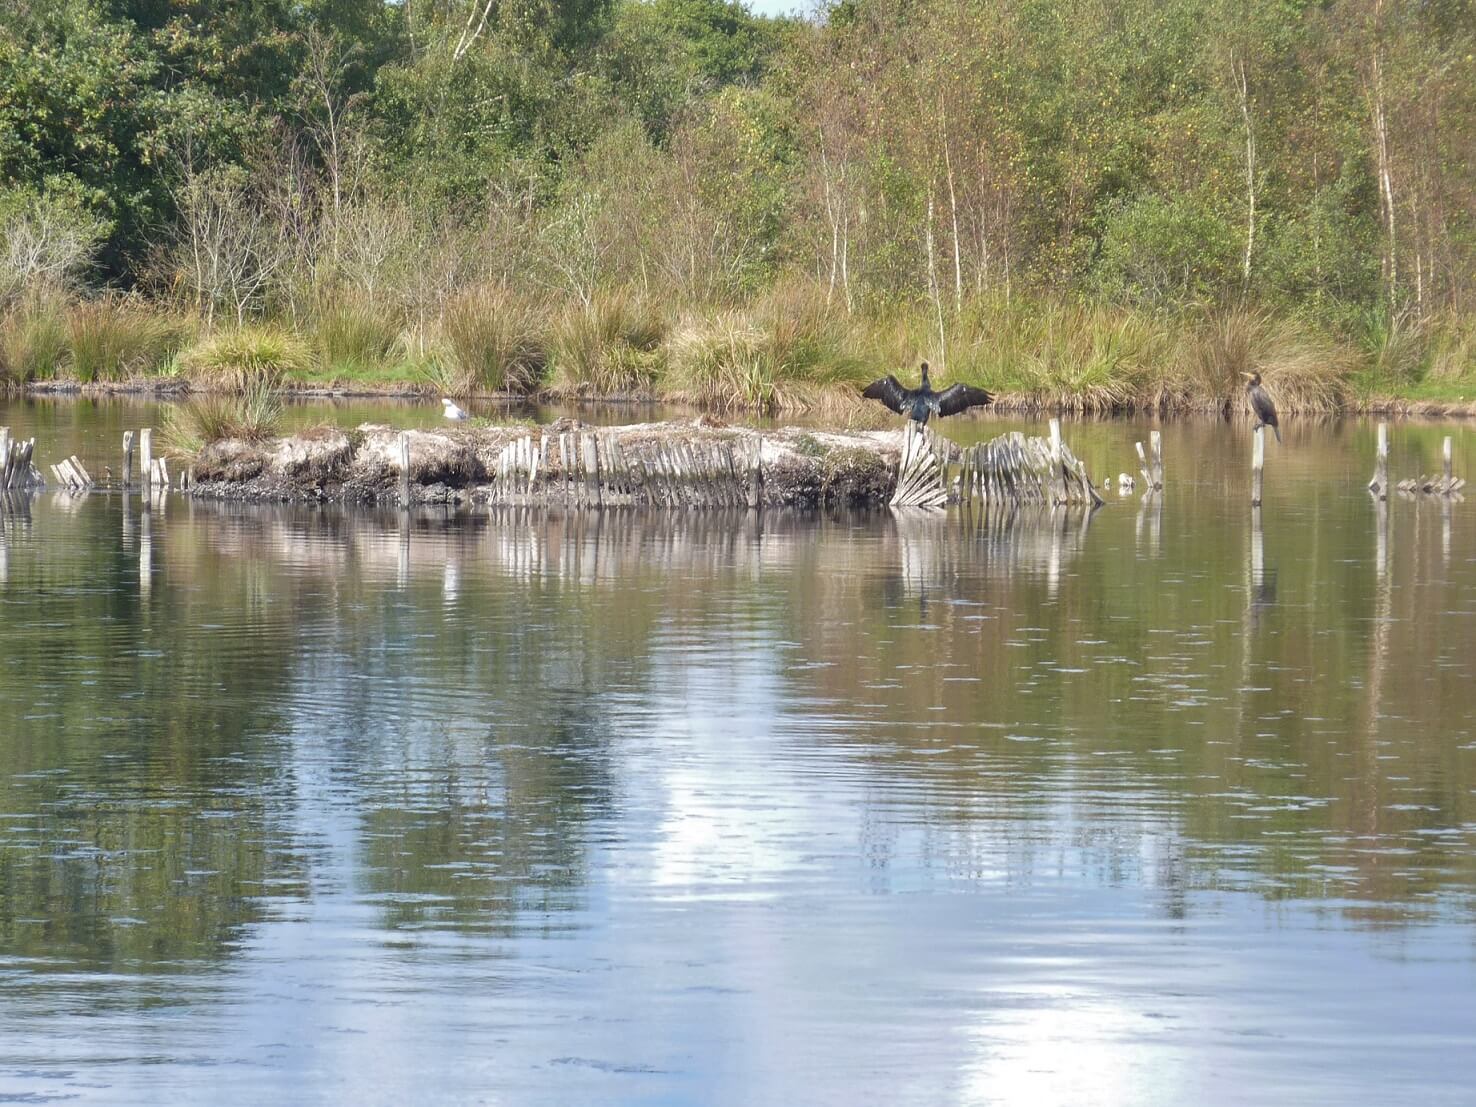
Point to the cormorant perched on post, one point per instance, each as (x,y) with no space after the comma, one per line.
(1261,404)
(921,402)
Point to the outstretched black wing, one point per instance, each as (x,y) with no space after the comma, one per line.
(889,391)
(961,397)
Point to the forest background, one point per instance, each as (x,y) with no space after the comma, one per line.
(1080,204)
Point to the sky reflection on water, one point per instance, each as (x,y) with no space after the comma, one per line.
(323,806)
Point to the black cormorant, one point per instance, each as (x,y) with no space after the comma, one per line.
(921,402)
(1261,404)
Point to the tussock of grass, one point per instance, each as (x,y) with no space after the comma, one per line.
(1303,371)
(33,341)
(494,341)
(786,353)
(1452,350)
(613,346)
(354,338)
(239,360)
(252,414)
(117,339)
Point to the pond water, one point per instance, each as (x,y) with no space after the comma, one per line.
(325,806)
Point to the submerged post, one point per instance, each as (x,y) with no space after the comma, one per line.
(1449,470)
(1379,485)
(404,451)
(146,454)
(127,458)
(1258,463)
(1157,439)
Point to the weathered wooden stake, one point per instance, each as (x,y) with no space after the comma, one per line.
(1449,471)
(404,444)
(146,454)
(1258,463)
(1057,474)
(1157,439)
(1379,485)
(756,474)
(127,458)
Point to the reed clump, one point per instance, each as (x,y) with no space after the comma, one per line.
(785,353)
(240,359)
(118,338)
(612,346)
(494,341)
(33,340)
(1304,370)
(252,414)
(355,338)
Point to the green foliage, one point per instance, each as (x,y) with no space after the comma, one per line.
(251,415)
(114,339)
(244,358)
(33,339)
(494,341)
(354,338)
(611,346)
(1167,250)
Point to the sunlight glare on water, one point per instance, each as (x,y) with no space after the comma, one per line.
(326,805)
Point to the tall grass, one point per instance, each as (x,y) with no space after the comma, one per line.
(1303,370)
(238,360)
(1452,350)
(783,353)
(33,340)
(494,341)
(354,338)
(609,347)
(252,414)
(118,339)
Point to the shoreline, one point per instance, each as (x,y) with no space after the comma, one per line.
(1006,403)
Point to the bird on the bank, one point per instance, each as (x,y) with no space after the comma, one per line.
(922,402)
(1261,403)
(453,412)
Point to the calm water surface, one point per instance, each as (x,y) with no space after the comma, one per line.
(336,807)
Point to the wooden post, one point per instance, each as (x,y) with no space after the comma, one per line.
(592,468)
(5,459)
(1156,437)
(1379,485)
(756,473)
(1056,473)
(1258,463)
(146,454)
(127,458)
(404,444)
(1449,472)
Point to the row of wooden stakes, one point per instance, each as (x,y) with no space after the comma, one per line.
(1011,468)
(591,469)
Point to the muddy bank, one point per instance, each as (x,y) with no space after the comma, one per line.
(700,462)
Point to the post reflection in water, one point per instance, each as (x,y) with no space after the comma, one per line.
(530,806)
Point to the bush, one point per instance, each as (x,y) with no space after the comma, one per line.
(115,339)
(1167,250)
(239,359)
(46,242)
(493,341)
